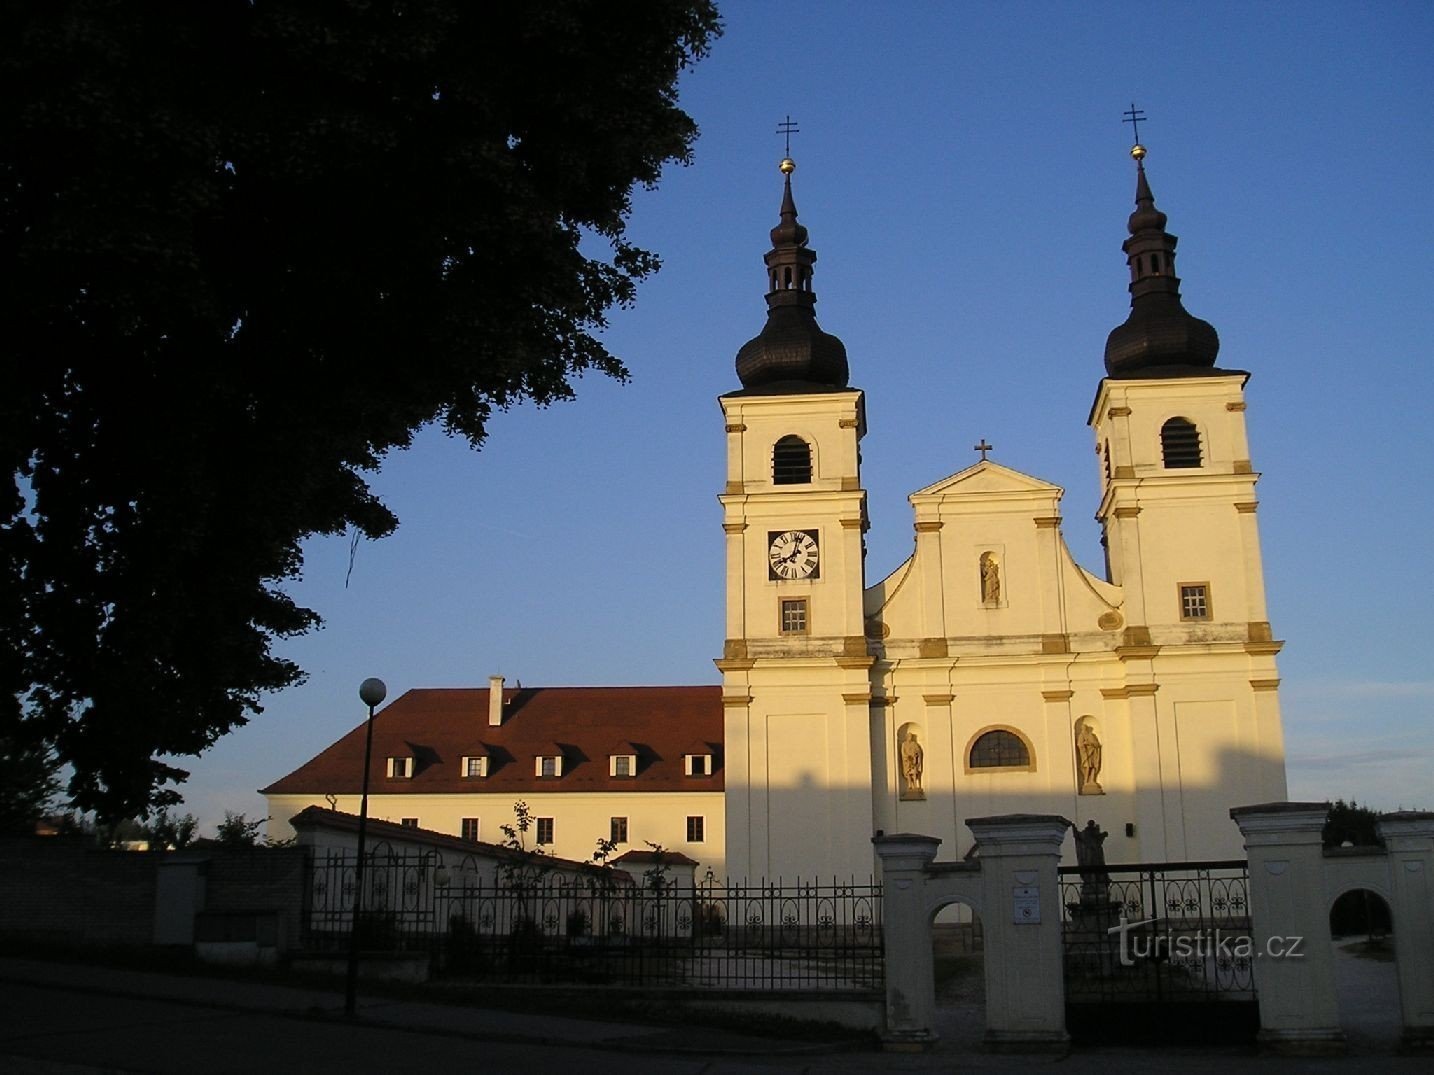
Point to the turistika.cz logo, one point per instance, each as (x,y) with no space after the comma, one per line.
(1138,943)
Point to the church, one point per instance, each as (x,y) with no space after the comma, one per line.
(987,674)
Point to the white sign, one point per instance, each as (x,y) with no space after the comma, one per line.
(1026,905)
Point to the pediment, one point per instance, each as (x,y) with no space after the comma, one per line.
(986,478)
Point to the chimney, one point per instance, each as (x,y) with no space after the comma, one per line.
(495,701)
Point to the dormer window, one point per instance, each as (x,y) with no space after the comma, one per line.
(474,766)
(548,765)
(697,764)
(1180,444)
(622,764)
(791,462)
(400,768)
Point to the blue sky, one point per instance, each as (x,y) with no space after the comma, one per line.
(963,171)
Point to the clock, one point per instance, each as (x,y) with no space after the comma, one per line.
(792,554)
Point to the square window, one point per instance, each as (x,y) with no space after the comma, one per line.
(470,828)
(794,616)
(1194,601)
(548,765)
(409,822)
(622,765)
(695,829)
(618,830)
(698,764)
(400,768)
(475,766)
(545,830)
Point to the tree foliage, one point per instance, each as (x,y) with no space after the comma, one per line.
(249,247)
(29,787)
(236,830)
(1348,822)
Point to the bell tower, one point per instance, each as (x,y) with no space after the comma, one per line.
(794,665)
(1178,515)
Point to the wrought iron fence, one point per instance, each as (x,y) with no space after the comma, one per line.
(533,927)
(1159,932)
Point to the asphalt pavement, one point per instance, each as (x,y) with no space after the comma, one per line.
(79,1019)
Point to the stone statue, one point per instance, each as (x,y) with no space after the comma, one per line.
(990,579)
(913,764)
(1088,756)
(1090,862)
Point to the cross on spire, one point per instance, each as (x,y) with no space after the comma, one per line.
(983,448)
(787,128)
(1133,117)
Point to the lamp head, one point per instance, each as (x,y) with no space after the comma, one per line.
(372,691)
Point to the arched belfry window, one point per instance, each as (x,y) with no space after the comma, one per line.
(791,461)
(1180,443)
(999,749)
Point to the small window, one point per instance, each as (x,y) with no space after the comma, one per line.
(408,822)
(622,765)
(794,616)
(475,767)
(400,768)
(1194,600)
(550,765)
(697,764)
(1180,444)
(545,830)
(617,830)
(696,829)
(791,462)
(469,828)
(1000,749)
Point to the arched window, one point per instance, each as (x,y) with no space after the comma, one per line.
(999,749)
(791,462)
(1180,443)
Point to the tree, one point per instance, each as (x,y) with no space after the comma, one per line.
(1352,823)
(250,246)
(28,791)
(236,830)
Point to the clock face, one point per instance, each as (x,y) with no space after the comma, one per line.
(792,554)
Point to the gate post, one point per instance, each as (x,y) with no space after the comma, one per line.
(1025,984)
(1299,1012)
(1409,838)
(906,927)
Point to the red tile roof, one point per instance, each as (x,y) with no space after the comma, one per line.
(440,727)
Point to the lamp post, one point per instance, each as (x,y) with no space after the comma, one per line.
(371,692)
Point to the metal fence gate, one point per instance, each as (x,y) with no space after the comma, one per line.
(531,926)
(1159,952)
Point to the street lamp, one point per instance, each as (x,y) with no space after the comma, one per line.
(371,693)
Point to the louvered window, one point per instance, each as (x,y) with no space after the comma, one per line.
(1180,443)
(791,462)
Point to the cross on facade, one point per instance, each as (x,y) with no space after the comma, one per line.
(787,128)
(1133,117)
(983,448)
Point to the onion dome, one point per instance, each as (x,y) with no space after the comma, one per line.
(791,353)
(1159,338)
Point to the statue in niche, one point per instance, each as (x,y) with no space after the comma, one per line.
(1088,757)
(1090,862)
(990,579)
(913,765)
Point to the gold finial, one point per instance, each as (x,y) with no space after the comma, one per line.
(786,129)
(1133,117)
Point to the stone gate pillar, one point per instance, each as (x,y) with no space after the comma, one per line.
(1021,919)
(906,927)
(1299,1011)
(1409,839)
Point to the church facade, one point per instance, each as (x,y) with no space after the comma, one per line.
(990,673)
